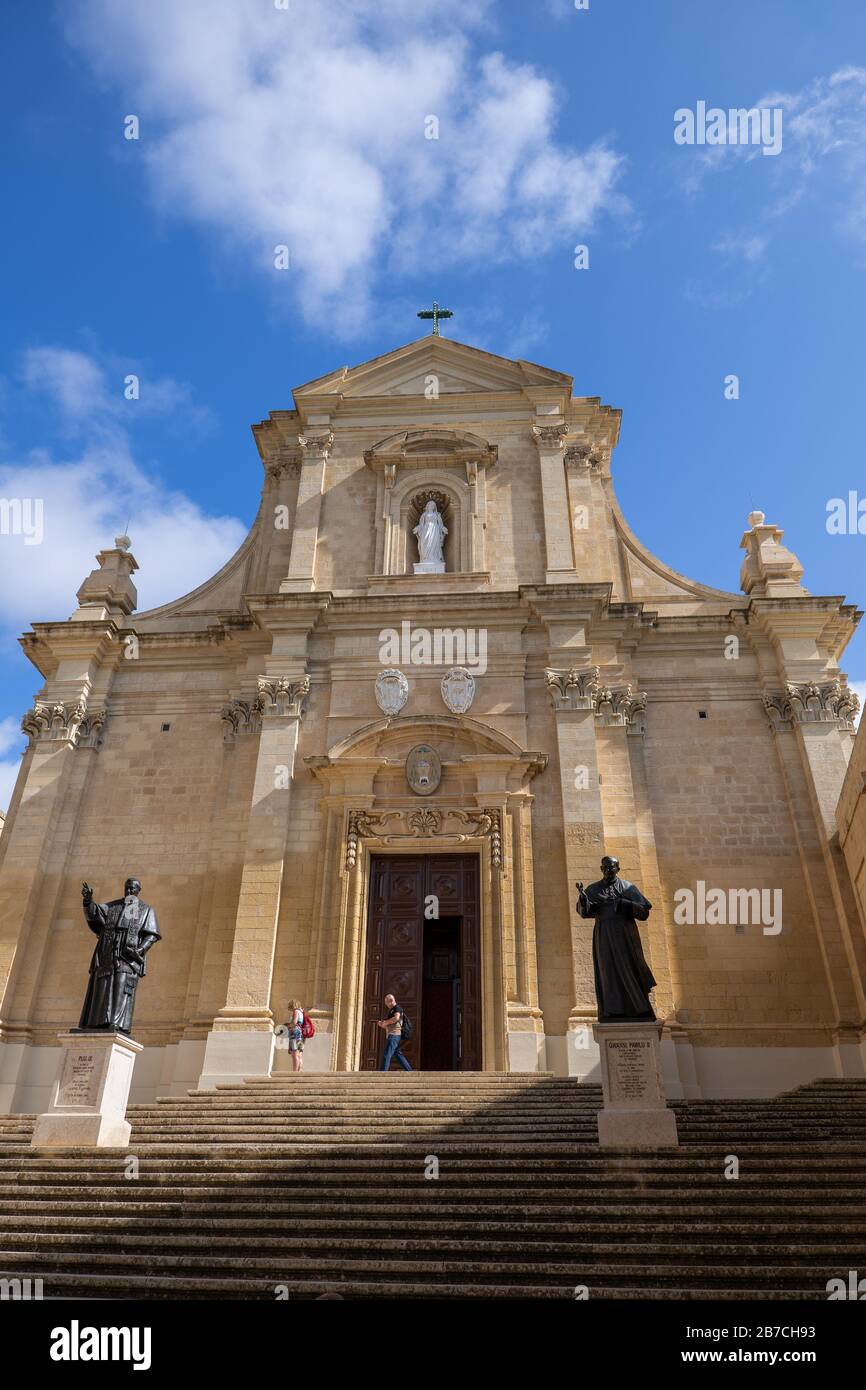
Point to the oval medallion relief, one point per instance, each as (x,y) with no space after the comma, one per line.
(423,769)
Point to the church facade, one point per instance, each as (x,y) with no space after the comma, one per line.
(340,768)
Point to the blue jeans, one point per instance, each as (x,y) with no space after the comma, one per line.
(392,1050)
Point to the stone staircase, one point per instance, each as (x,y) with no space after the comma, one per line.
(317,1185)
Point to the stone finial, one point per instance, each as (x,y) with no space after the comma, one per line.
(108,592)
(769,570)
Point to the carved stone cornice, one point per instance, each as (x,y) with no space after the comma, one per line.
(812,702)
(550,438)
(242,717)
(68,722)
(424,822)
(282,696)
(430,449)
(620,706)
(573,688)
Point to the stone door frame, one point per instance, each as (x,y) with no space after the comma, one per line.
(492,821)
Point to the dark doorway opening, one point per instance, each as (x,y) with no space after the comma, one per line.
(440,1000)
(431,964)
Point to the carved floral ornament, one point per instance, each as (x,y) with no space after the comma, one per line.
(812,702)
(67,722)
(424,822)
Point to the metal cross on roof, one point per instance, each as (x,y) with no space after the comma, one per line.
(436,314)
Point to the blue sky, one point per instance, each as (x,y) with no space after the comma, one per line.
(305,126)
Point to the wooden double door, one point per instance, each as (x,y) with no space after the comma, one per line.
(423,947)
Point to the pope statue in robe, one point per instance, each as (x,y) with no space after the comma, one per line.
(125,929)
(623,979)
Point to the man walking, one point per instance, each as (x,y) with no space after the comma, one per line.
(393,1025)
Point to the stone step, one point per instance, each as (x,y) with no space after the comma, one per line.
(549,1158)
(813,1273)
(431,1245)
(328,1172)
(688,1187)
(563,1203)
(515,1222)
(133,1285)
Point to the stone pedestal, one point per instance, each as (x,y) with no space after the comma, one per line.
(232,1055)
(88,1103)
(635,1113)
(429,567)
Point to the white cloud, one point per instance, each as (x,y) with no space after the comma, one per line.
(11,739)
(741,247)
(91,394)
(307,128)
(90,497)
(823,155)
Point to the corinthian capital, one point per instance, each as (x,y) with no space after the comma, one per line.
(621,706)
(282,696)
(572,688)
(825,702)
(242,717)
(316,445)
(550,438)
(64,722)
(583,456)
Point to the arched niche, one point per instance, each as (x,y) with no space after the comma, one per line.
(443,464)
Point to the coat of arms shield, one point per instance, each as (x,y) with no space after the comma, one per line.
(392,690)
(458,689)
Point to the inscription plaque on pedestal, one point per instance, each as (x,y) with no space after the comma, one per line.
(632,1075)
(88,1104)
(635,1114)
(79,1082)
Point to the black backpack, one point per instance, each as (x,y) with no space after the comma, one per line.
(407,1029)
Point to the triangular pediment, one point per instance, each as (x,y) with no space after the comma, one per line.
(406,371)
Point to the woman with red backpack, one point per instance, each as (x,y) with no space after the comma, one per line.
(300,1026)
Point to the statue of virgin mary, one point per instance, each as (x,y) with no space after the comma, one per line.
(430,533)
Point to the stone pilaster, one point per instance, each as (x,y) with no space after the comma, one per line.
(559,550)
(241,1041)
(315,447)
(64,729)
(628,820)
(813,721)
(572,692)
